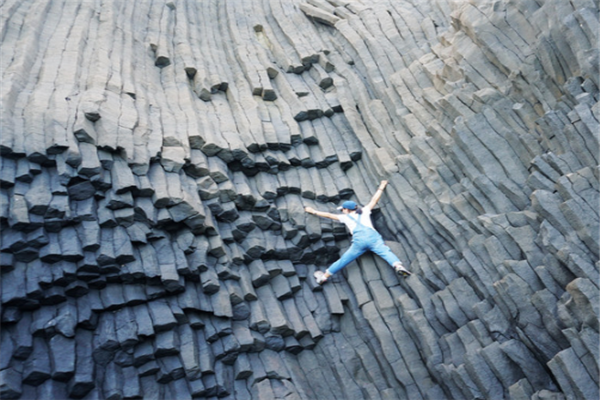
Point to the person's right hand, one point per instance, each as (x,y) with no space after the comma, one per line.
(310,210)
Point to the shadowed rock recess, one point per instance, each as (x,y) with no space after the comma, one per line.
(156,157)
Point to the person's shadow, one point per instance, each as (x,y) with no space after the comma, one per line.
(378,220)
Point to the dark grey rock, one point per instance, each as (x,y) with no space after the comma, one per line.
(243,336)
(13,240)
(281,287)
(62,354)
(276,316)
(197,388)
(242,367)
(8,346)
(170,369)
(258,273)
(166,344)
(8,170)
(38,196)
(6,262)
(10,384)
(105,341)
(162,317)
(210,282)
(579,345)
(112,386)
(51,389)
(179,389)
(14,290)
(205,355)
(258,319)
(131,386)
(240,312)
(148,369)
(81,190)
(143,353)
(37,368)
(274,366)
(583,303)
(188,352)
(572,376)
(125,328)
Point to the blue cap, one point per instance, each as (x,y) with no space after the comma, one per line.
(348,205)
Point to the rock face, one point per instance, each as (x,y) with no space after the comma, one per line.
(156,158)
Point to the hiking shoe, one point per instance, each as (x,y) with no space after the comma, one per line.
(320,277)
(400,270)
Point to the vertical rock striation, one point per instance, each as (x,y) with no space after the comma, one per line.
(156,158)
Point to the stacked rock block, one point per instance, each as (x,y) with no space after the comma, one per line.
(156,158)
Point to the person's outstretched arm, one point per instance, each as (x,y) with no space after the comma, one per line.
(323,214)
(377,195)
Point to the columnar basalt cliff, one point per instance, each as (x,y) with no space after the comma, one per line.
(157,156)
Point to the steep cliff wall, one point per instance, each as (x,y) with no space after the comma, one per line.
(156,157)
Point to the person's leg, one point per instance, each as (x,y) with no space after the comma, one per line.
(357,248)
(353,252)
(379,247)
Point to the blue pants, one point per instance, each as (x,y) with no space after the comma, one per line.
(364,239)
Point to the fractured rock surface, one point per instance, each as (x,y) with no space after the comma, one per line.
(156,158)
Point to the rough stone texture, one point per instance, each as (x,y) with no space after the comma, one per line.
(155,159)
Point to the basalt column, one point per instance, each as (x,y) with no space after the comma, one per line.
(156,158)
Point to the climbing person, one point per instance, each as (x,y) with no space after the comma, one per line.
(364,236)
